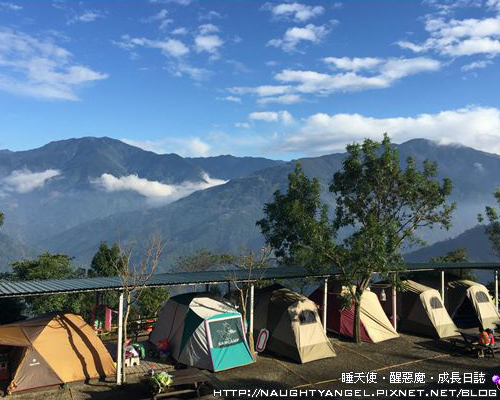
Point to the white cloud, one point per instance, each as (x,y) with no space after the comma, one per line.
(244,125)
(153,189)
(195,73)
(384,76)
(271,116)
(454,37)
(477,127)
(293,36)
(85,16)
(179,2)
(190,147)
(353,64)
(284,99)
(476,65)
(208,43)
(24,181)
(268,116)
(161,17)
(39,68)
(10,6)
(209,16)
(261,91)
(299,12)
(180,31)
(169,47)
(233,99)
(208,28)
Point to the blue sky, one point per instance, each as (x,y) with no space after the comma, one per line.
(276,79)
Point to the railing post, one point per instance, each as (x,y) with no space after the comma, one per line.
(119,347)
(394,310)
(442,286)
(496,289)
(250,323)
(325,303)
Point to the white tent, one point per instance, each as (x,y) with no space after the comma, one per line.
(470,304)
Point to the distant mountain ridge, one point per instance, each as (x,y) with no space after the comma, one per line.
(70,214)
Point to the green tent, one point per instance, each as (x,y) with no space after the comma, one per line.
(202,332)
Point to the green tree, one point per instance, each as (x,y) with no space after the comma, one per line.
(49,266)
(107,261)
(379,205)
(493,228)
(201,260)
(150,301)
(11,309)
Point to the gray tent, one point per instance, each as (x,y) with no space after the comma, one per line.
(202,331)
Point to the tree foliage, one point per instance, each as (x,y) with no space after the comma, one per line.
(493,227)
(379,205)
(201,260)
(49,266)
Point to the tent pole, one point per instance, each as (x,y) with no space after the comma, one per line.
(119,347)
(442,285)
(325,303)
(394,311)
(496,289)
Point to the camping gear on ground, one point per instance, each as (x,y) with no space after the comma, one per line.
(420,310)
(54,349)
(140,350)
(202,331)
(295,330)
(375,326)
(160,382)
(470,305)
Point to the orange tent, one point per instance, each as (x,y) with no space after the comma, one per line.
(53,349)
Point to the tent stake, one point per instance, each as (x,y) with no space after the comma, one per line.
(325,303)
(119,347)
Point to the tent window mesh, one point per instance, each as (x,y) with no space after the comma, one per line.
(307,317)
(481,297)
(436,303)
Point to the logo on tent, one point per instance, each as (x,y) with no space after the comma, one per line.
(227,335)
(34,363)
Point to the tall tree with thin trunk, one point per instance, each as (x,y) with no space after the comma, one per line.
(379,205)
(134,276)
(253,267)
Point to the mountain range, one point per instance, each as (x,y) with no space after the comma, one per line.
(70,195)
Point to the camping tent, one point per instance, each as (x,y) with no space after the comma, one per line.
(375,326)
(295,330)
(420,310)
(203,332)
(53,349)
(470,305)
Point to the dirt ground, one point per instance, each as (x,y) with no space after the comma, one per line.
(407,355)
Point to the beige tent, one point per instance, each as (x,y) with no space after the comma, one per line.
(421,311)
(470,305)
(375,326)
(294,326)
(53,349)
